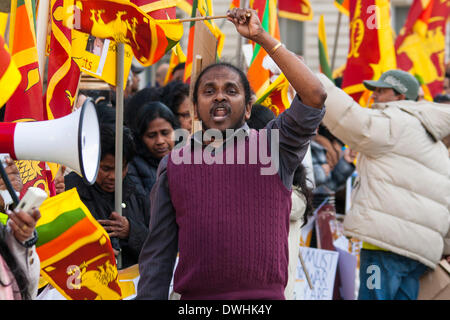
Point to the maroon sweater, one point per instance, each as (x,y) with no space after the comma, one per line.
(233,233)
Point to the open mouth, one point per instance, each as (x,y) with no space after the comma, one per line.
(220,112)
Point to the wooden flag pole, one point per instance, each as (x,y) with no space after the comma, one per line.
(41,33)
(206,18)
(120,55)
(336,37)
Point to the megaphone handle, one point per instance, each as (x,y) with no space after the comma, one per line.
(9,187)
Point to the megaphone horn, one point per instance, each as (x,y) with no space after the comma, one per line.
(73,141)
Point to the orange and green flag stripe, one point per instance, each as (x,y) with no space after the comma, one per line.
(323,50)
(343,6)
(65,222)
(276,96)
(257,75)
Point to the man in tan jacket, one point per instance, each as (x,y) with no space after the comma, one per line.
(400,202)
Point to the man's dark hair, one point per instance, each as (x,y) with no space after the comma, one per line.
(179,66)
(173,95)
(108,142)
(241,74)
(260,116)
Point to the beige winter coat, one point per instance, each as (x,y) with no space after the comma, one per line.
(401,200)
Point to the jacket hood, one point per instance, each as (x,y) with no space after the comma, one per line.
(435,117)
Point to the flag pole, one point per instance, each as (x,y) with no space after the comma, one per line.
(41,33)
(248,15)
(120,55)
(336,37)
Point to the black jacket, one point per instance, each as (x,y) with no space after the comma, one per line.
(142,171)
(101,204)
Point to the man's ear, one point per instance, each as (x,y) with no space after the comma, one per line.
(248,111)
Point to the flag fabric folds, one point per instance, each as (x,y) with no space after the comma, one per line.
(324,60)
(9,74)
(75,251)
(257,74)
(420,45)
(158,9)
(176,58)
(63,73)
(343,6)
(185,5)
(26,103)
(371,51)
(276,97)
(124,22)
(295,10)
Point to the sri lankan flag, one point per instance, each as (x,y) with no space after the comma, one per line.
(185,5)
(371,51)
(124,22)
(176,58)
(420,45)
(258,76)
(158,9)
(295,10)
(63,72)
(323,50)
(26,104)
(343,6)
(9,74)
(276,96)
(75,251)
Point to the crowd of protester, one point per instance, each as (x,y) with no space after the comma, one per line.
(152,114)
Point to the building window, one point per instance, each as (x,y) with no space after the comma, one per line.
(400,15)
(291,32)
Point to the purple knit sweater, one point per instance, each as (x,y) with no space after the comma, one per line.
(233,230)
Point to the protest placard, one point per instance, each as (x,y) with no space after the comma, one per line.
(321,266)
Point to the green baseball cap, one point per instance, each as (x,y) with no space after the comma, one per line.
(402,82)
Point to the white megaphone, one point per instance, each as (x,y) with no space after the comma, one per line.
(73,141)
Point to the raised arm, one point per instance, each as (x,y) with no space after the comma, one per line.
(305,83)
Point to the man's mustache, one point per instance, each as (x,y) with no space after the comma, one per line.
(217,105)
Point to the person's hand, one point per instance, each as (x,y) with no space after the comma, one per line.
(60,186)
(13,175)
(350,155)
(247,23)
(23,224)
(118,226)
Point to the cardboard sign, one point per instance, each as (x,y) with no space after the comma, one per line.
(321,267)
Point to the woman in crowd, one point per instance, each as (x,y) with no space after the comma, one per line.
(154,138)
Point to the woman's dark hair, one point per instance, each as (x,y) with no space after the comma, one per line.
(300,181)
(241,74)
(146,114)
(108,142)
(173,95)
(260,116)
(13,266)
(138,100)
